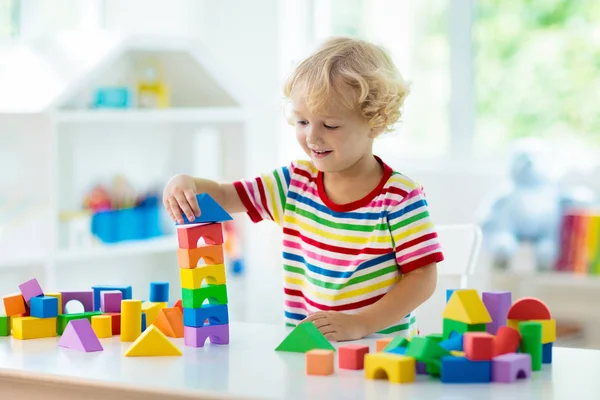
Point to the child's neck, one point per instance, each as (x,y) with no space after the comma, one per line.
(355,182)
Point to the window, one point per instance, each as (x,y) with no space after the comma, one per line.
(9,17)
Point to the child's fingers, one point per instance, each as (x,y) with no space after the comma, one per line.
(174,210)
(184,205)
(192,201)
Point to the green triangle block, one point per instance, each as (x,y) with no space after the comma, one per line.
(396,342)
(304,337)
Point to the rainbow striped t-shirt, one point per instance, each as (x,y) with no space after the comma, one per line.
(343,257)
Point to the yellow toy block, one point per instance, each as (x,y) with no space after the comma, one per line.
(102,326)
(457,353)
(193,278)
(131,320)
(59,297)
(548,328)
(152,343)
(152,309)
(34,328)
(397,368)
(466,306)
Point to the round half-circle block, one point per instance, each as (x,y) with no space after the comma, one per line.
(528,308)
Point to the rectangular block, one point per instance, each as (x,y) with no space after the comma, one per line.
(44,307)
(30,289)
(59,298)
(478,346)
(196,336)
(116,323)
(548,330)
(194,278)
(215,314)
(547,353)
(193,298)
(352,356)
(497,303)
(14,304)
(25,328)
(4,325)
(111,301)
(63,319)
(319,362)
(126,290)
(463,370)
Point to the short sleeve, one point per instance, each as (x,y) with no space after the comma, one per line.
(413,233)
(265,196)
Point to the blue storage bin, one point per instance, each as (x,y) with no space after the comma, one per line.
(137,223)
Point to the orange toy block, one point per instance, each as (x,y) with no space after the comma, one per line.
(507,341)
(14,304)
(188,236)
(190,258)
(179,304)
(478,346)
(381,344)
(528,308)
(319,362)
(170,322)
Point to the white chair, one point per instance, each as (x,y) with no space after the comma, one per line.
(461,245)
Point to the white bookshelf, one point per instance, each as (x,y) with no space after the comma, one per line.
(203,115)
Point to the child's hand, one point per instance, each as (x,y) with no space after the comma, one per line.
(180,195)
(337,326)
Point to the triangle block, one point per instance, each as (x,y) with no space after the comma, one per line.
(467,307)
(304,337)
(79,335)
(170,322)
(152,342)
(210,211)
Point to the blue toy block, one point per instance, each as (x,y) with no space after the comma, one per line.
(98,289)
(463,370)
(159,292)
(216,314)
(210,211)
(449,294)
(547,353)
(44,307)
(143,321)
(397,350)
(455,342)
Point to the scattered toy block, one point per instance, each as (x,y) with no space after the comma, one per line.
(152,342)
(352,356)
(86,298)
(98,289)
(466,306)
(194,298)
(179,304)
(131,320)
(29,289)
(454,342)
(216,314)
(64,319)
(528,308)
(25,328)
(159,292)
(547,353)
(170,322)
(497,303)
(304,337)
(421,368)
(193,278)
(116,322)
(450,326)
(319,362)
(102,326)
(428,351)
(188,236)
(398,341)
(111,301)
(151,310)
(508,368)
(14,304)
(479,346)
(531,342)
(44,307)
(4,325)
(58,296)
(462,370)
(210,211)
(79,335)
(196,336)
(190,258)
(381,344)
(507,341)
(396,368)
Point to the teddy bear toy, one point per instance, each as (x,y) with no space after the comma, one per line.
(530,209)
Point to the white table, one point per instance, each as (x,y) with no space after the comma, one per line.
(250,368)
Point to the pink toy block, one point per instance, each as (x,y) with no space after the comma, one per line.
(111,301)
(79,335)
(86,298)
(508,368)
(352,356)
(30,289)
(497,304)
(196,336)
(479,346)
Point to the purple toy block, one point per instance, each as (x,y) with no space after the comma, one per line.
(421,368)
(86,298)
(497,304)
(111,301)
(196,336)
(79,335)
(509,367)
(30,289)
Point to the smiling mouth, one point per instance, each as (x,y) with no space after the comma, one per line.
(320,153)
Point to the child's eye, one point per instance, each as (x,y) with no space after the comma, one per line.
(301,122)
(330,127)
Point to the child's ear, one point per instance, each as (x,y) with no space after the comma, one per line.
(374,132)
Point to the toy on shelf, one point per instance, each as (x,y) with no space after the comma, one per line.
(579,241)
(112,97)
(152,91)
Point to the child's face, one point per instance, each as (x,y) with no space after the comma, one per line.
(334,141)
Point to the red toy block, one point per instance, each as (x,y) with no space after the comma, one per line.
(188,236)
(352,356)
(507,341)
(116,322)
(14,305)
(478,346)
(179,305)
(527,309)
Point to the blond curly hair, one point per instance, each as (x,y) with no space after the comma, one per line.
(359,74)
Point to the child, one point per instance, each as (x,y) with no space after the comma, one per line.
(360,251)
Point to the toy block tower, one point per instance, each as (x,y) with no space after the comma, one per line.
(465,312)
(203,280)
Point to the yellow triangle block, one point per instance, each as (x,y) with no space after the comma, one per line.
(152,343)
(466,306)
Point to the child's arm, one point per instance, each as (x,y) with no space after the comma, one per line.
(180,195)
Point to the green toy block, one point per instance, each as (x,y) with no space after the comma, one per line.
(396,342)
(437,337)
(304,337)
(427,350)
(531,342)
(4,325)
(193,298)
(63,319)
(434,367)
(460,327)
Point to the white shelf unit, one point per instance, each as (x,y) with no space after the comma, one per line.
(75,146)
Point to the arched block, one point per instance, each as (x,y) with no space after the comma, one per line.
(508,368)
(195,298)
(86,298)
(193,278)
(215,314)
(397,368)
(196,336)
(190,258)
(188,236)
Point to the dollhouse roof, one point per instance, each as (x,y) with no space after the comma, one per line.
(467,307)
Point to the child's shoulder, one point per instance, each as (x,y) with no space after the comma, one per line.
(402,186)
